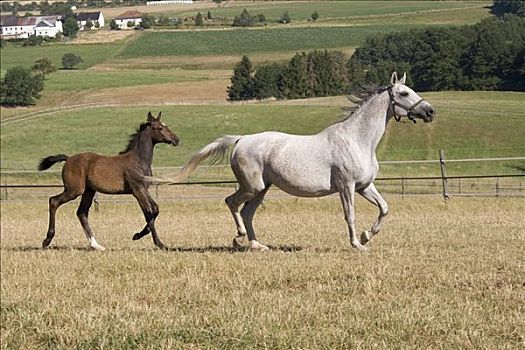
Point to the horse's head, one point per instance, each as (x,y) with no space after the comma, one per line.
(160,133)
(406,102)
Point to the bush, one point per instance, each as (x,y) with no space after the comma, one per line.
(33,40)
(314,16)
(199,20)
(20,88)
(285,18)
(70,60)
(113,25)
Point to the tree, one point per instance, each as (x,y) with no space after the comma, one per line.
(147,21)
(130,24)
(89,24)
(208,16)
(285,18)
(243,20)
(20,88)
(113,25)
(199,20)
(241,87)
(314,16)
(70,27)
(44,66)
(501,7)
(266,81)
(70,60)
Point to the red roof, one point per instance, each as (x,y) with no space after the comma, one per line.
(130,14)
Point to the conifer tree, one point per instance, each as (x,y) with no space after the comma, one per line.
(242,84)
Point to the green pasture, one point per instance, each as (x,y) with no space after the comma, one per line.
(25,56)
(65,80)
(335,10)
(468,125)
(257,40)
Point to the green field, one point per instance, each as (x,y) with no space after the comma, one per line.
(469,124)
(25,56)
(244,41)
(336,10)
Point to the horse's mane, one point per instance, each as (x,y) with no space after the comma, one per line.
(362,94)
(133,137)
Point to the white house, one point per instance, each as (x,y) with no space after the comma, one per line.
(133,17)
(13,27)
(94,17)
(48,26)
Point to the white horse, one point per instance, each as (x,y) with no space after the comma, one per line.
(341,158)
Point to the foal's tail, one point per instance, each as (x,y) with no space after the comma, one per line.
(216,149)
(47,162)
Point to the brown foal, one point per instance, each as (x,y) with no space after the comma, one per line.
(87,173)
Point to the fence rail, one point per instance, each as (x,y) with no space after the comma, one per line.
(454,185)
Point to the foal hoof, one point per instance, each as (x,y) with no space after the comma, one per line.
(46,243)
(258,247)
(97,247)
(137,236)
(365,237)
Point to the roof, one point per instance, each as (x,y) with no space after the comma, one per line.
(12,21)
(8,21)
(84,16)
(130,14)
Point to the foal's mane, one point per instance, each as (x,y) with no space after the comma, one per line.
(362,94)
(134,137)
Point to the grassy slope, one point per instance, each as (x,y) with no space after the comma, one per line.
(438,276)
(469,124)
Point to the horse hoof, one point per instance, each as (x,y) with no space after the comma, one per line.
(360,247)
(46,243)
(366,236)
(98,247)
(258,247)
(238,242)
(136,236)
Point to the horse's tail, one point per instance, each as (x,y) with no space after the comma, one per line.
(216,149)
(47,162)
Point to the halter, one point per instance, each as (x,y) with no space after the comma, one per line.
(409,110)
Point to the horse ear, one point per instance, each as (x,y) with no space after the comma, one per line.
(150,117)
(394,78)
(158,117)
(404,78)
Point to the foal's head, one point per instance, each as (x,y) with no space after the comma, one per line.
(160,133)
(406,102)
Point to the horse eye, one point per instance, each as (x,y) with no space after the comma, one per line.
(404,93)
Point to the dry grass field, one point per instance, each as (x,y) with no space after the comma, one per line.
(440,276)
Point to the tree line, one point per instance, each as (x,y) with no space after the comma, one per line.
(487,56)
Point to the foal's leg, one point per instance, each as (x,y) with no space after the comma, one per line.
(82,213)
(347,198)
(145,231)
(247,214)
(373,196)
(151,211)
(54,203)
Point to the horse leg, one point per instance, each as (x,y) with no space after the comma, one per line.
(54,203)
(373,196)
(82,213)
(145,231)
(234,202)
(247,214)
(151,211)
(347,199)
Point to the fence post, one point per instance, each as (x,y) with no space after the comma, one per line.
(443,174)
(497,187)
(403,186)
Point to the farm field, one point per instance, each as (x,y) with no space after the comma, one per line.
(433,278)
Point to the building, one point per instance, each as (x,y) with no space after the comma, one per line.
(13,27)
(94,17)
(129,19)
